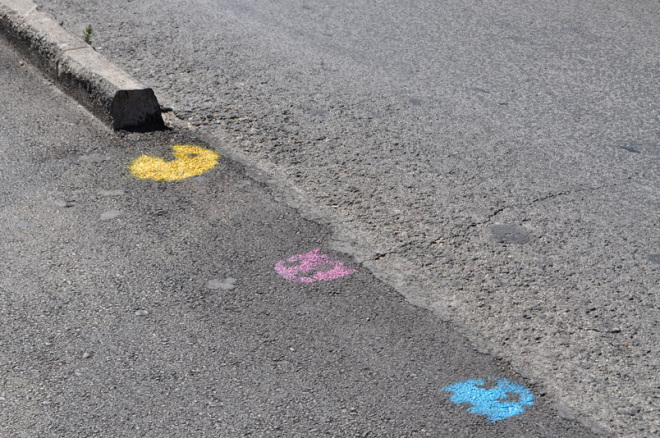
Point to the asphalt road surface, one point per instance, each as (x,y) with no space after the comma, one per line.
(496,162)
(133,307)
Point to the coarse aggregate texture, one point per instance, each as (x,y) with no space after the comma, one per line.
(496,161)
(153,309)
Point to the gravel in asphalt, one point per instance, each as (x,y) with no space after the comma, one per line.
(420,130)
(133,307)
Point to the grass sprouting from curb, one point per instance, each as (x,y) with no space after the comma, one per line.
(87,34)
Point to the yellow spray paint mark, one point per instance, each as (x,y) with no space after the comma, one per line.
(188,161)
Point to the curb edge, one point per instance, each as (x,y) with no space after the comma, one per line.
(76,68)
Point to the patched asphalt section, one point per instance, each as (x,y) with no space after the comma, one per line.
(133,307)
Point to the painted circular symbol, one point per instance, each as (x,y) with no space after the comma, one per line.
(321,265)
(498,403)
(188,161)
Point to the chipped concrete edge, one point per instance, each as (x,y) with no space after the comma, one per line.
(75,67)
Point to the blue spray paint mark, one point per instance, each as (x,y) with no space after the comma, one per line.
(491,402)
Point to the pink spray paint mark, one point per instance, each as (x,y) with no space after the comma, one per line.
(326,269)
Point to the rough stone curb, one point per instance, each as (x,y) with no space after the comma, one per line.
(104,89)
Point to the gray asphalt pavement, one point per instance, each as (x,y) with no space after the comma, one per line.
(132,307)
(496,162)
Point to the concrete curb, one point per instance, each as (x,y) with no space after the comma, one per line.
(103,88)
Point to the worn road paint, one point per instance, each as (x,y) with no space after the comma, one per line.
(498,403)
(111,192)
(110,215)
(326,269)
(227,284)
(188,161)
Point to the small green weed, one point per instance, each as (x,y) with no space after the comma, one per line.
(87,34)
